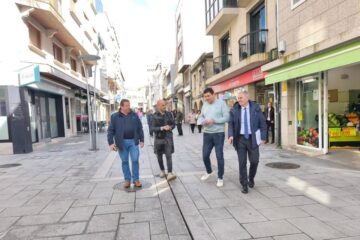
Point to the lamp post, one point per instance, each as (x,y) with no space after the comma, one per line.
(92,123)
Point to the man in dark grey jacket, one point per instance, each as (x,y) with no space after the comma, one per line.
(162,125)
(246,131)
(126,129)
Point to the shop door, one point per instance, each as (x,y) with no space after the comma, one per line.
(308,106)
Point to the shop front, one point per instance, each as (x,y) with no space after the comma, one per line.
(252,81)
(320,100)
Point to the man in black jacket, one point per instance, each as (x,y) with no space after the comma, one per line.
(162,125)
(270,117)
(126,129)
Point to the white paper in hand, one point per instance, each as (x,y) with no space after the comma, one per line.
(200,120)
(258,137)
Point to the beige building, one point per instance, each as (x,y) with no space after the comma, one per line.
(244,35)
(201,70)
(317,73)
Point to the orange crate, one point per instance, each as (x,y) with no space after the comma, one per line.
(349,131)
(335,132)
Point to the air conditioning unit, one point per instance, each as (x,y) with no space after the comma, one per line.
(282,47)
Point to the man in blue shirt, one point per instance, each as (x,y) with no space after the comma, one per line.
(125,133)
(247,129)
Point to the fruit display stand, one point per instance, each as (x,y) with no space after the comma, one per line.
(344,137)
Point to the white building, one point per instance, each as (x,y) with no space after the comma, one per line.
(191,42)
(43,86)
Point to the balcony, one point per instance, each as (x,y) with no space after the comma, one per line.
(252,43)
(219,14)
(221,63)
(48,14)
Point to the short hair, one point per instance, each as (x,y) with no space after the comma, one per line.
(244,92)
(208,90)
(123,101)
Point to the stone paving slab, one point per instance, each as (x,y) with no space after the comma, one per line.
(55,194)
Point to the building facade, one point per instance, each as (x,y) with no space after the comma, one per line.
(191,42)
(201,70)
(317,74)
(44,82)
(243,35)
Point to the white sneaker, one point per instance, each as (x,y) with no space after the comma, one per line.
(162,174)
(220,182)
(206,176)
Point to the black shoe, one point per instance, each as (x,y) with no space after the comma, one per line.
(251,183)
(245,189)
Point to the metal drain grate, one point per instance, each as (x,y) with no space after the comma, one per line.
(10,165)
(282,165)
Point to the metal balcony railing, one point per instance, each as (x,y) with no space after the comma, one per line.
(215,7)
(252,43)
(221,63)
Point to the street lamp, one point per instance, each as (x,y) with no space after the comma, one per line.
(92,124)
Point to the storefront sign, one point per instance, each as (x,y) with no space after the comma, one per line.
(240,80)
(29,75)
(284,89)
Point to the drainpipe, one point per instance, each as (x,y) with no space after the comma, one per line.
(277,86)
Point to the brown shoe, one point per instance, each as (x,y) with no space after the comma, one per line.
(138,184)
(126,184)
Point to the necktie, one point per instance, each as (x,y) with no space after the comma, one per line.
(246,130)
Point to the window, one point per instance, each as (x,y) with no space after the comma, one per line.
(73,64)
(87,19)
(179,51)
(35,36)
(82,71)
(57,51)
(178,24)
(296,3)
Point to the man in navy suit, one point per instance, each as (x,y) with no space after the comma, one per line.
(247,129)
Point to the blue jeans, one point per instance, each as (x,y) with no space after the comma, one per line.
(214,140)
(129,147)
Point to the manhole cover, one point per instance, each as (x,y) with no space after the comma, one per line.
(10,165)
(282,165)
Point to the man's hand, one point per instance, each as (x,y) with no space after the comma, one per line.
(209,122)
(141,144)
(230,140)
(166,127)
(112,147)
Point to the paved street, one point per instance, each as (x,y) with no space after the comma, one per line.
(64,191)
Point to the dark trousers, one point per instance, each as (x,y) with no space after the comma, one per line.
(192,126)
(179,128)
(271,126)
(212,140)
(151,132)
(166,149)
(199,128)
(244,149)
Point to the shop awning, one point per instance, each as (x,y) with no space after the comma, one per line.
(335,58)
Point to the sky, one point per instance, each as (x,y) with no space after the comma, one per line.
(146,32)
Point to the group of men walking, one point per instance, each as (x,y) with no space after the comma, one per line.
(247,129)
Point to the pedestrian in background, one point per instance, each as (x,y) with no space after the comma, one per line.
(247,130)
(149,117)
(162,125)
(270,122)
(192,120)
(214,116)
(125,134)
(179,119)
(199,125)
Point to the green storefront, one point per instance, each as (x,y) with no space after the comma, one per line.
(320,99)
